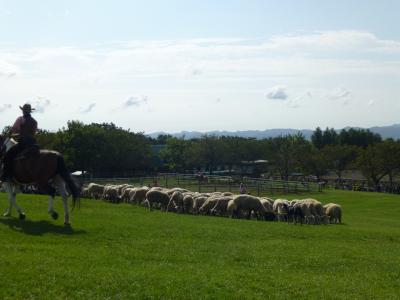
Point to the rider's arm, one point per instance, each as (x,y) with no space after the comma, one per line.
(17,126)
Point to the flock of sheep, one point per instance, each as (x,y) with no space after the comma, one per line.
(308,211)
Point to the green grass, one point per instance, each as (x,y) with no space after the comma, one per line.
(123,252)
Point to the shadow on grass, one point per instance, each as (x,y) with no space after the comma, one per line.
(38,227)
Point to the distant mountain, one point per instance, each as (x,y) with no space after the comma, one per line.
(392,131)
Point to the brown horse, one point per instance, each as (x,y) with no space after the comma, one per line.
(44,169)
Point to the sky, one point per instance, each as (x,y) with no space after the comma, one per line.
(169,66)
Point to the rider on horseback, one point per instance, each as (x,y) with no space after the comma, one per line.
(24,128)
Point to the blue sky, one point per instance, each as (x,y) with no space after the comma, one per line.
(201,65)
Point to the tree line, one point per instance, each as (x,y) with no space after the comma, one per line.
(105,149)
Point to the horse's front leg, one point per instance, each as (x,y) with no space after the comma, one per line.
(10,189)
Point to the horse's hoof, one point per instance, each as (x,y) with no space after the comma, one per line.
(7,214)
(22,216)
(54,215)
(67,224)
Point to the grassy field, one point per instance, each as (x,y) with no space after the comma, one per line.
(123,252)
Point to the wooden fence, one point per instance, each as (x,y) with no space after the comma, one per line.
(210,183)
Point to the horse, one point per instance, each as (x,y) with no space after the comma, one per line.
(43,168)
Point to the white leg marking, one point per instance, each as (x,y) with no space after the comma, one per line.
(51,207)
(63,192)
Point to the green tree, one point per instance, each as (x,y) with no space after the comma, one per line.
(339,157)
(371,163)
(287,153)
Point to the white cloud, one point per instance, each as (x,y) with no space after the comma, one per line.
(299,101)
(41,104)
(135,101)
(339,94)
(89,108)
(277,93)
(5,107)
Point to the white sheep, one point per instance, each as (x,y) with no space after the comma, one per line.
(334,212)
(155,196)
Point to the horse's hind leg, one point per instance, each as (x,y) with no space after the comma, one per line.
(63,192)
(52,194)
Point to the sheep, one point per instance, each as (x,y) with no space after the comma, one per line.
(187,203)
(176,201)
(269,211)
(121,188)
(155,196)
(197,203)
(139,195)
(111,194)
(95,190)
(317,210)
(308,216)
(221,206)
(85,193)
(295,213)
(227,194)
(334,212)
(176,189)
(125,196)
(209,203)
(280,209)
(248,204)
(269,200)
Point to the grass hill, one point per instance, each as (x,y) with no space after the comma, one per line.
(125,252)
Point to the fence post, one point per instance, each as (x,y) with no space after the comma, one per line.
(166,181)
(258,189)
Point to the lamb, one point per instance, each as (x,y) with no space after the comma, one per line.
(155,196)
(334,212)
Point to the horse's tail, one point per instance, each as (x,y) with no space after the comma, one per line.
(66,176)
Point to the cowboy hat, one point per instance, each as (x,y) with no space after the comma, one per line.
(27,108)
